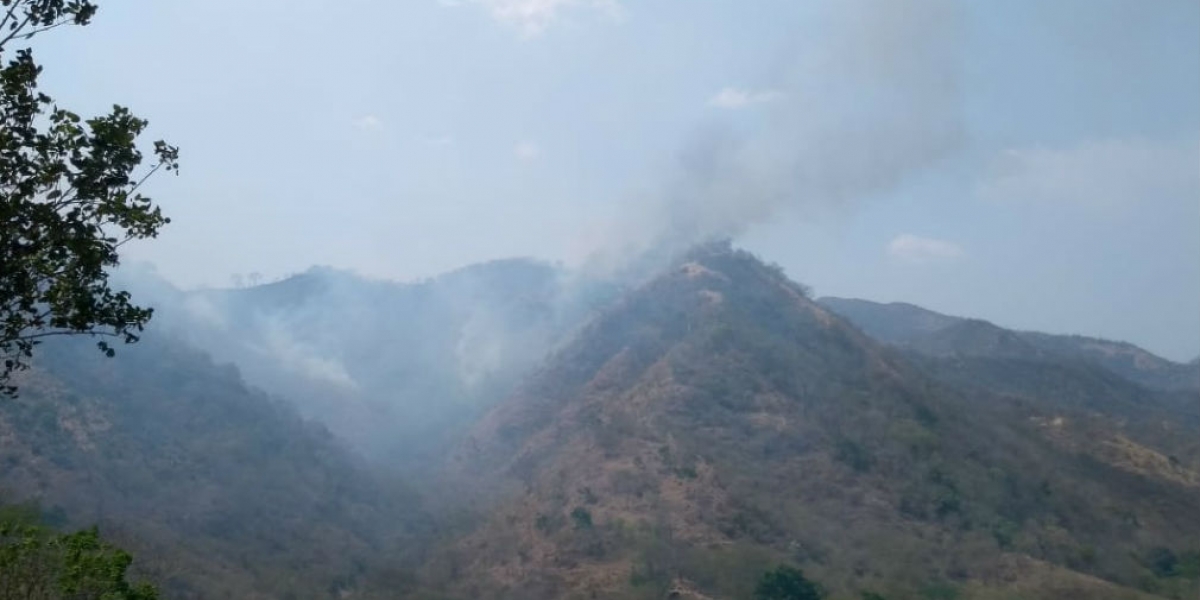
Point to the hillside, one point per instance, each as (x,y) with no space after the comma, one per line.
(219,490)
(935,334)
(716,421)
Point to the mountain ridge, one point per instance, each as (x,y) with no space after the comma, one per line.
(937,334)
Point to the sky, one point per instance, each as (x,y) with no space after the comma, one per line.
(1033,163)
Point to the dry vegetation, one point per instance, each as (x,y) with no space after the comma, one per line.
(685,439)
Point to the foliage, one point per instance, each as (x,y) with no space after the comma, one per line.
(1162,561)
(38,564)
(69,198)
(787,583)
(582,518)
(853,455)
(940,591)
(1166,563)
(1188,566)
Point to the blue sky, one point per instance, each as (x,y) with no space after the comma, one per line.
(1033,163)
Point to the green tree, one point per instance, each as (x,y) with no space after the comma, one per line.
(69,198)
(787,583)
(37,564)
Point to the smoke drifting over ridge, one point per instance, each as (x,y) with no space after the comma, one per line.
(868,100)
(391,368)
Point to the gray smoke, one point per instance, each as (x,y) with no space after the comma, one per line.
(855,110)
(394,369)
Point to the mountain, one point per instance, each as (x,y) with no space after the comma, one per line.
(716,421)
(561,437)
(219,490)
(395,369)
(936,334)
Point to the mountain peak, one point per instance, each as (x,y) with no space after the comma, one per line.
(716,415)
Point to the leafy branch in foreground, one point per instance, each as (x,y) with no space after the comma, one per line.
(69,199)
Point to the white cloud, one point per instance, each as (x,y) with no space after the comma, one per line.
(915,249)
(533,17)
(368,123)
(527,151)
(440,141)
(1102,174)
(735,98)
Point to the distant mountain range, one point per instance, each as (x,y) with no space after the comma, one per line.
(566,437)
(936,334)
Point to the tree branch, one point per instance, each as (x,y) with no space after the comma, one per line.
(139,182)
(46,28)
(16,30)
(46,334)
(11,9)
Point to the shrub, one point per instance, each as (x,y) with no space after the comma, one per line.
(42,563)
(582,518)
(854,456)
(787,583)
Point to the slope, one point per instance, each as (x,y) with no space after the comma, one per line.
(219,490)
(716,421)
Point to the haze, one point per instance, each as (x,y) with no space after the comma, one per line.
(1033,163)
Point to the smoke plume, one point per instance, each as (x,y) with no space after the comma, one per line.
(855,110)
